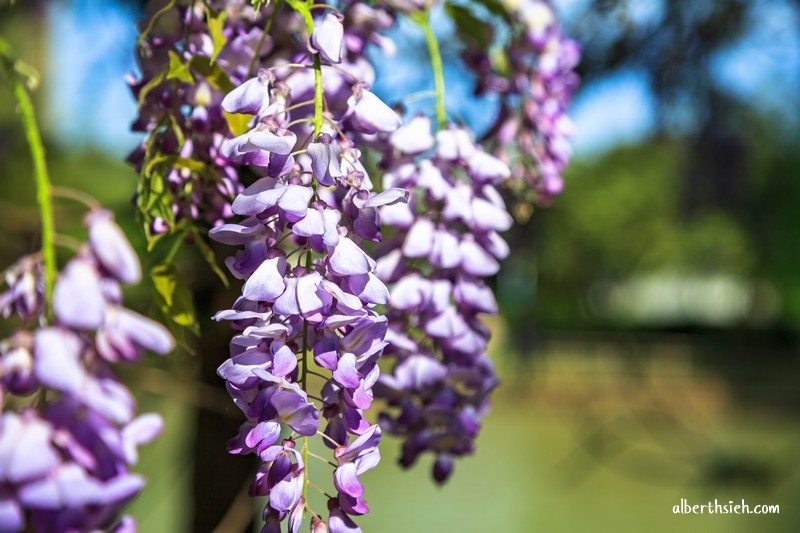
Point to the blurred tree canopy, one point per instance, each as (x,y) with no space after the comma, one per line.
(712,192)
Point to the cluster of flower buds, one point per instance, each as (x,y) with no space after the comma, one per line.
(446,243)
(310,289)
(64,463)
(532,130)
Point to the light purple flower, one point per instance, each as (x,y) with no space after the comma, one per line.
(327,38)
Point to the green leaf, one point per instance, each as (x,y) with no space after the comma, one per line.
(208,255)
(237,122)
(469,27)
(213,73)
(495,6)
(174,297)
(215,24)
(258,4)
(178,70)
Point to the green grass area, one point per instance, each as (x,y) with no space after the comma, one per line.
(577,443)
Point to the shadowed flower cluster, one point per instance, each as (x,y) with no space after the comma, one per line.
(532,130)
(447,242)
(64,463)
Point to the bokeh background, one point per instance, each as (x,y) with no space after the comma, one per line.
(648,344)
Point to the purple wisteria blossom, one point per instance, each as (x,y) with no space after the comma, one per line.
(310,289)
(260,131)
(64,465)
(533,135)
(447,242)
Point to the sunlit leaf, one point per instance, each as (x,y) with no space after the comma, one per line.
(215,24)
(173,297)
(178,70)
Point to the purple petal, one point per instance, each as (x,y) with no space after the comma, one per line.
(285,494)
(312,224)
(355,506)
(442,468)
(296,516)
(431,178)
(387,197)
(368,288)
(112,248)
(474,295)
(266,283)
(26,452)
(146,333)
(338,522)
(57,360)
(446,325)
(249,97)
(284,360)
(446,252)
(414,137)
(11,517)
(488,216)
(263,434)
(486,167)
(236,234)
(419,241)
(328,38)
(294,201)
(346,373)
(311,300)
(410,292)
(476,260)
(140,430)
(348,259)
(325,162)
(454,144)
(371,115)
(77,298)
(345,480)
(258,197)
(286,303)
(266,140)
(296,411)
(325,353)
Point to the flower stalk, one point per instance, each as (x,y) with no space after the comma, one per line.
(43,194)
(423,20)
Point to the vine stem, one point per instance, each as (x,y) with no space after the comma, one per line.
(423,20)
(304,8)
(318,96)
(43,194)
(304,380)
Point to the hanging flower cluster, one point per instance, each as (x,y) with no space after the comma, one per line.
(260,122)
(446,244)
(64,462)
(307,304)
(536,82)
